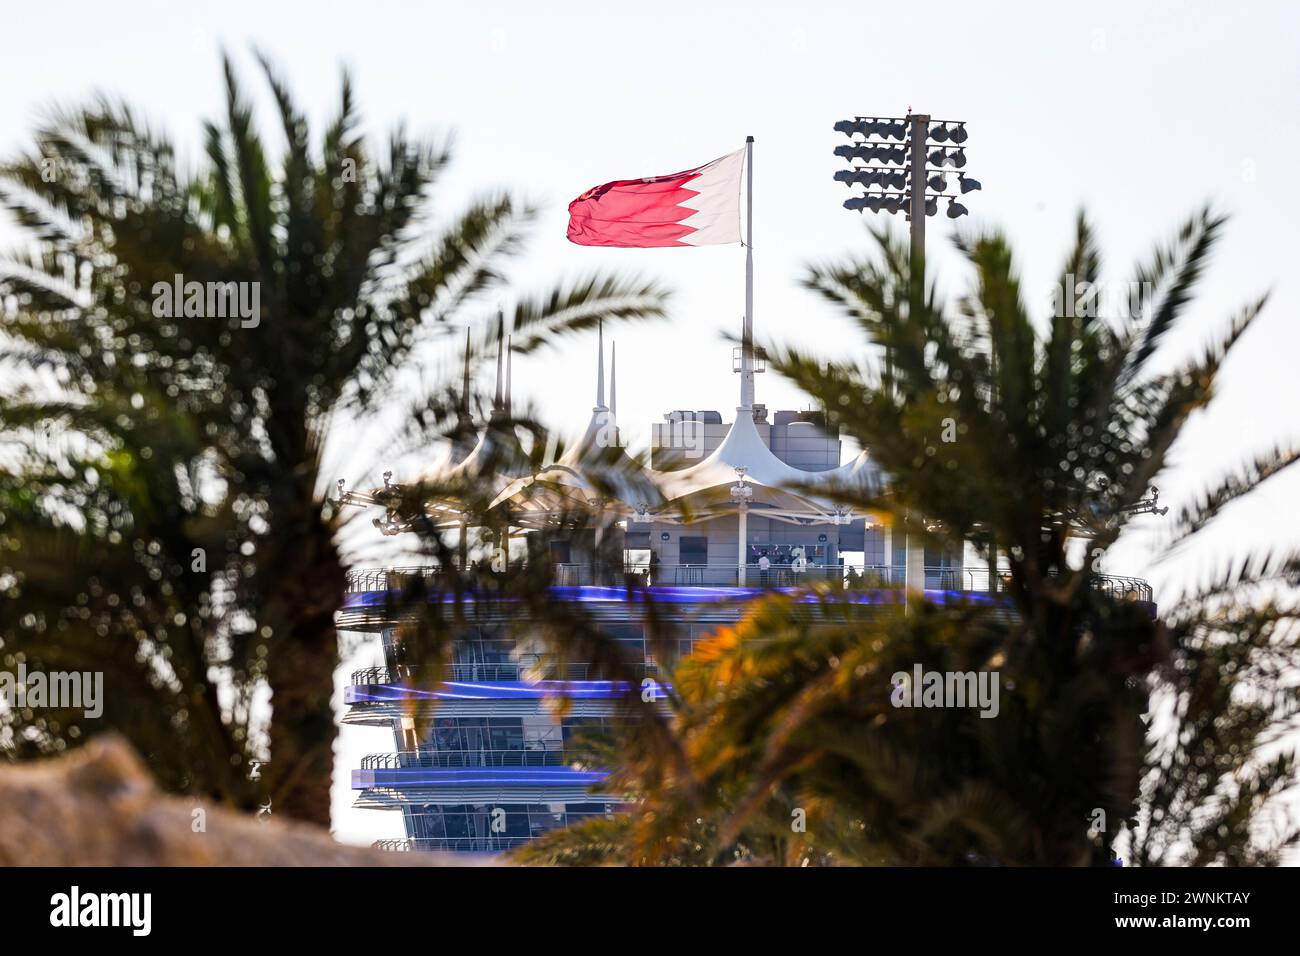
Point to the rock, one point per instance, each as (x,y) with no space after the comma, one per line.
(98,806)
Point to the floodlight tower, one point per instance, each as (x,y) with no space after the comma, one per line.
(923,153)
(917,187)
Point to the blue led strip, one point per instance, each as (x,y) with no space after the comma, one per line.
(498,690)
(672,594)
(503,777)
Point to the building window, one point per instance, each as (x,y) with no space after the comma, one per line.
(694,550)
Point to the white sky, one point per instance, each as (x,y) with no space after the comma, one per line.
(1137,111)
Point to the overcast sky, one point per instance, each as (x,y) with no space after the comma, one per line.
(1137,111)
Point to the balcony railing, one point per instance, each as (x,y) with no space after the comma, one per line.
(865,576)
(728,575)
(1112,585)
(386,579)
(504,671)
(1123,588)
(429,760)
(706,575)
(489,844)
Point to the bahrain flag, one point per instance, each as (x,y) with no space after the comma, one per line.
(698,207)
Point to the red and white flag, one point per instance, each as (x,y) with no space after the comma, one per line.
(698,207)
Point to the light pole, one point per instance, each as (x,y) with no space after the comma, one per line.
(918,132)
(919,147)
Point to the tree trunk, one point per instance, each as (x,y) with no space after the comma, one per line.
(303,656)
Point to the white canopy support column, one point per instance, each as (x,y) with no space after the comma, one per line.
(914,568)
(462,546)
(741,493)
(889,553)
(740,548)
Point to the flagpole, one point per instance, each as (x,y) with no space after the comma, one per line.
(747,343)
(746,359)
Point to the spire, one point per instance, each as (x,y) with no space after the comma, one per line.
(464,387)
(613,383)
(600,366)
(497,405)
(463,435)
(464,420)
(509,356)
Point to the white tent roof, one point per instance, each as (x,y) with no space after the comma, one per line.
(699,488)
(744,448)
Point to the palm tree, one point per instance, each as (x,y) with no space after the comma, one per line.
(1058,435)
(187,487)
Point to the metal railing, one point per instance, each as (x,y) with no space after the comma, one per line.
(380,675)
(728,575)
(716,575)
(1119,587)
(1123,588)
(435,759)
(777,576)
(395,846)
(386,579)
(709,575)
(853,576)
(504,671)
(492,844)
